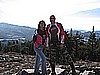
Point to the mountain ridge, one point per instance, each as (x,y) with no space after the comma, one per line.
(11,31)
(15,31)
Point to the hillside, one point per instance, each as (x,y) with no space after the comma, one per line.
(15,31)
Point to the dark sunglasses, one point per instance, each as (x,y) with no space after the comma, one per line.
(52,18)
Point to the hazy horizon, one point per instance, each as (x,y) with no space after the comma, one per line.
(75,14)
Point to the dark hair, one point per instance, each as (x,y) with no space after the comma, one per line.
(52,16)
(42,21)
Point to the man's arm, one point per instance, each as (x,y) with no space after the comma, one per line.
(62,33)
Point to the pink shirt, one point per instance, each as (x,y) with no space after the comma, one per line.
(38,41)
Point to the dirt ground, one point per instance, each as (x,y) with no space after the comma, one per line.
(11,63)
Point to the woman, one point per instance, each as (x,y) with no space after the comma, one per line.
(38,47)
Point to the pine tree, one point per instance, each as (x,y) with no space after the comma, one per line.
(92,42)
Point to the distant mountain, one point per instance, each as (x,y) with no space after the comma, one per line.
(15,31)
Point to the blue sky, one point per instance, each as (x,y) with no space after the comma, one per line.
(89,13)
(75,14)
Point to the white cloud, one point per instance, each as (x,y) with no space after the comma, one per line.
(30,12)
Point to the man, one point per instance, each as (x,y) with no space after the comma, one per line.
(55,38)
